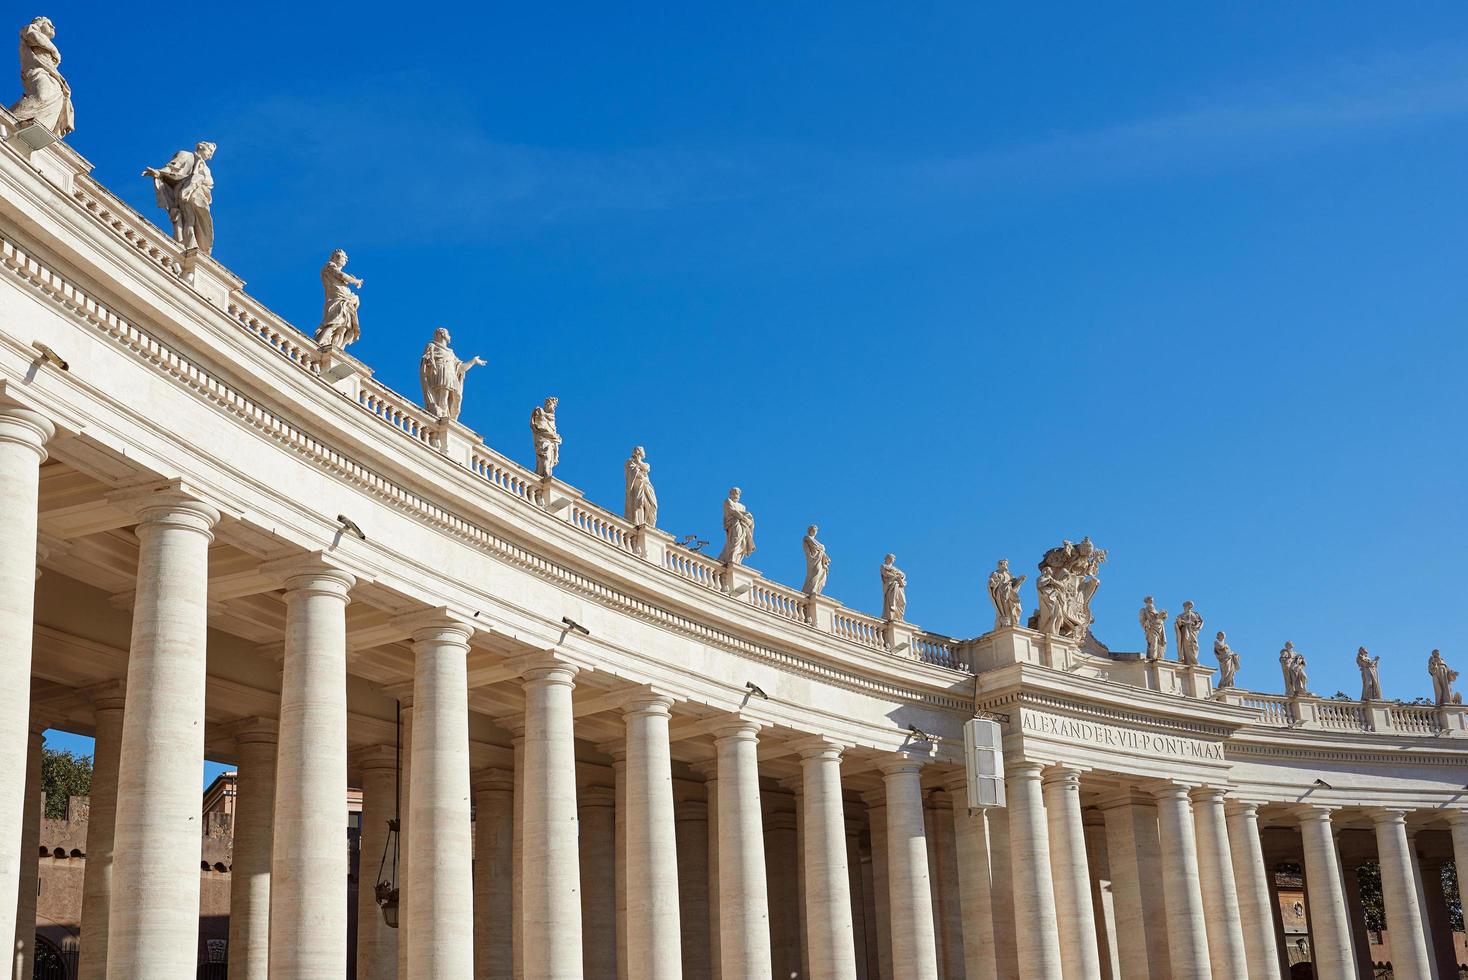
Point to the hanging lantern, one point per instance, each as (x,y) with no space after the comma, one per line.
(386,891)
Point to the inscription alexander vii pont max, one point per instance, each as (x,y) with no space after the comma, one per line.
(1114,737)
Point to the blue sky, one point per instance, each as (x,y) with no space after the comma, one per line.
(953,281)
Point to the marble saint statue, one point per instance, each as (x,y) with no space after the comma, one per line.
(1004,594)
(1188,625)
(185,189)
(1292,666)
(1068,579)
(642,500)
(46,98)
(894,590)
(817,562)
(1442,680)
(1370,675)
(738,530)
(442,374)
(1154,628)
(545,437)
(1228,661)
(339,326)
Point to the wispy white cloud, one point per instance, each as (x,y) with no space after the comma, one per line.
(434,168)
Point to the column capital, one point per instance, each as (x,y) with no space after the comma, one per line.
(25,427)
(1313,813)
(691,811)
(374,758)
(547,668)
(648,703)
(1381,815)
(1455,817)
(107,696)
(1209,794)
(738,729)
(818,747)
(493,780)
(1236,807)
(171,503)
(311,574)
(708,769)
(1171,791)
(1024,769)
(894,763)
(255,731)
(1068,777)
(597,796)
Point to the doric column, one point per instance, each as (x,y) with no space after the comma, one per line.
(710,771)
(517,868)
(1458,822)
(1102,902)
(441,918)
(1399,892)
(1220,898)
(308,905)
(494,834)
(1252,879)
(693,886)
(654,948)
(249,873)
(971,840)
(909,896)
(1134,854)
(744,918)
(597,806)
(552,879)
(1029,867)
(107,710)
(30,856)
(619,871)
(153,928)
(858,895)
(827,876)
(1075,916)
(1187,934)
(1001,895)
(23,436)
(1356,915)
(1437,927)
(377,943)
(781,871)
(405,799)
(944,874)
(881,895)
(1330,927)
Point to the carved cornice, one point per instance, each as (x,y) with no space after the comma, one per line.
(85,309)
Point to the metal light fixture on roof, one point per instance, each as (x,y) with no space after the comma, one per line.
(386,890)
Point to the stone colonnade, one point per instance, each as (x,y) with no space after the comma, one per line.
(998,894)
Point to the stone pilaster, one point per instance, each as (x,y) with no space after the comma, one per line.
(153,928)
(24,949)
(692,818)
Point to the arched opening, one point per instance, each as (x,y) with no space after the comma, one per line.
(50,964)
